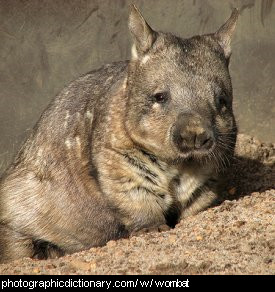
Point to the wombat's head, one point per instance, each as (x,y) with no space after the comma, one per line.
(179,92)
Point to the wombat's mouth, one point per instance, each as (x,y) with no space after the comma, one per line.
(197,154)
(218,156)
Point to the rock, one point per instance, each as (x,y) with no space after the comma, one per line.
(80,265)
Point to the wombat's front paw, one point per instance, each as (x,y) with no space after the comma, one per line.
(46,250)
(159,228)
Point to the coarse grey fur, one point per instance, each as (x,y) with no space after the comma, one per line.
(135,144)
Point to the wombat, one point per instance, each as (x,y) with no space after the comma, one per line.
(133,145)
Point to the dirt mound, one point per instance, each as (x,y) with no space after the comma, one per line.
(236,237)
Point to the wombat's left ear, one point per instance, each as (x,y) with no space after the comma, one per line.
(225,33)
(144,36)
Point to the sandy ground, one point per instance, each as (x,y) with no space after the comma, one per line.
(235,237)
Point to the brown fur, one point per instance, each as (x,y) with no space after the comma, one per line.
(107,158)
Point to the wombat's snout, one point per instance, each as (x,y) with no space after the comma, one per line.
(191,134)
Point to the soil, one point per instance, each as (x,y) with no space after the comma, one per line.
(235,237)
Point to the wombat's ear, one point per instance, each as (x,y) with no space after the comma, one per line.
(225,33)
(144,36)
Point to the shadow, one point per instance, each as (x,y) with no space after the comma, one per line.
(244,177)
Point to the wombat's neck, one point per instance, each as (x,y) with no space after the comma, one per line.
(116,134)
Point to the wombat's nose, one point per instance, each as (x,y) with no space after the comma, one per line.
(192,133)
(191,140)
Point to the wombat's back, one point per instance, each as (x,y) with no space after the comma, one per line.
(70,116)
(47,191)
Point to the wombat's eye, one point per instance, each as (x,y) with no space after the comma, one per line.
(160,97)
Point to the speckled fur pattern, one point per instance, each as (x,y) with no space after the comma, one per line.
(102,161)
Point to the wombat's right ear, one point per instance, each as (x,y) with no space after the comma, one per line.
(144,36)
(225,33)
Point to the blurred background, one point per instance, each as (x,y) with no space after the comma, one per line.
(45,44)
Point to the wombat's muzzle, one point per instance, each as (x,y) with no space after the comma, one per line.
(191,134)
